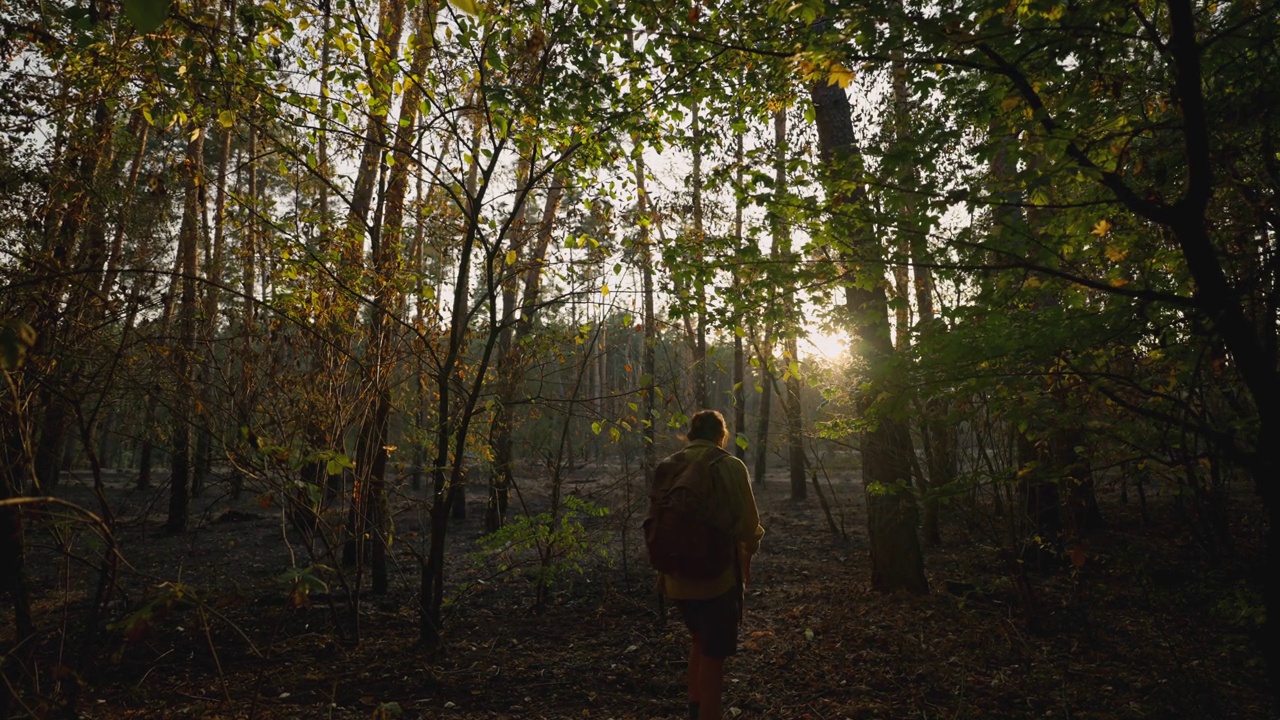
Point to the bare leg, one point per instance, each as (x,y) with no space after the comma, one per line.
(710,682)
(695,669)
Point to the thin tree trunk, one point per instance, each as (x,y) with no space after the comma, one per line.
(452,422)
(115,255)
(739,358)
(372,457)
(766,382)
(510,367)
(51,325)
(649,360)
(188,239)
(912,244)
(698,341)
(780,248)
(793,407)
(381,64)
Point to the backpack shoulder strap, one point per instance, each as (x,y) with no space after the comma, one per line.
(713,456)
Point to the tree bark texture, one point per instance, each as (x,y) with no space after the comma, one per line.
(897,562)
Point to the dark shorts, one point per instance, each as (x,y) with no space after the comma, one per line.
(714,622)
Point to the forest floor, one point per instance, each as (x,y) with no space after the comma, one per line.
(205,624)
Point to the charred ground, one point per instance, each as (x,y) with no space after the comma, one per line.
(215,623)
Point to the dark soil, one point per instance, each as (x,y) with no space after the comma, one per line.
(213,623)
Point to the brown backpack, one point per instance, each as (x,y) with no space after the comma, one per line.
(686,529)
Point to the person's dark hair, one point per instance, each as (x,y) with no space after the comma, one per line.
(707,425)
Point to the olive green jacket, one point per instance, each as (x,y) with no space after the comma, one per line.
(732,486)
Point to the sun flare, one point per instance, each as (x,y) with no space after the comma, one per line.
(830,346)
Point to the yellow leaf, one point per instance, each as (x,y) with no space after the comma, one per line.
(227,118)
(511,257)
(840,75)
(1101,228)
(1118,282)
(1115,254)
(469,7)
(604,290)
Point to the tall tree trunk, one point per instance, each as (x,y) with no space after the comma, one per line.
(649,361)
(141,131)
(372,456)
(779,248)
(510,366)
(15,464)
(146,445)
(698,336)
(188,241)
(739,359)
(55,329)
(15,471)
(420,371)
(765,383)
(381,64)
(792,406)
(453,417)
(243,403)
(913,246)
(897,562)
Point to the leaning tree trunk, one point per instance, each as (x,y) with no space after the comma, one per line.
(897,562)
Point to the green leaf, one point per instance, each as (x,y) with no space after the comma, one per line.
(467,6)
(741,441)
(146,15)
(338,463)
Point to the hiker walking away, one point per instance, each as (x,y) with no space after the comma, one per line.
(701,531)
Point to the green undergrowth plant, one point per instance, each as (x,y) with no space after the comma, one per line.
(547,548)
